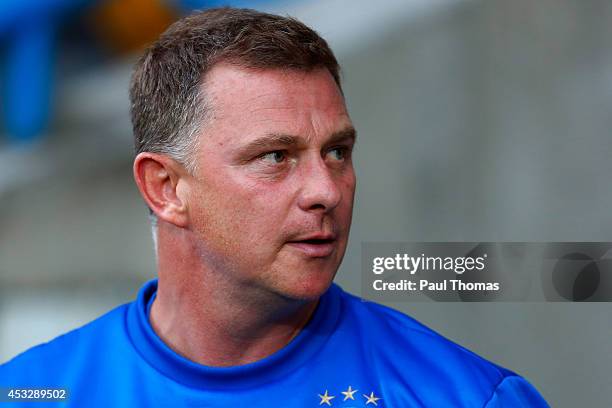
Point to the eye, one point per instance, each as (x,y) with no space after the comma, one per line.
(277,156)
(339,153)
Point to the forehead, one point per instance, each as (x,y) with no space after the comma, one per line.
(247,102)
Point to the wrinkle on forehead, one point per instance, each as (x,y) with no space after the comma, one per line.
(258,85)
(246,100)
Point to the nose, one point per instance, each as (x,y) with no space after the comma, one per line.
(320,190)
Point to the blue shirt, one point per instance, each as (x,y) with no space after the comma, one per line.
(351,353)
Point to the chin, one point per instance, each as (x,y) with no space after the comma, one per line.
(309,288)
(299,279)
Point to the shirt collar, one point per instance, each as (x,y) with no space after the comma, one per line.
(302,348)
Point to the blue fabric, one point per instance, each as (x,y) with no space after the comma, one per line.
(386,358)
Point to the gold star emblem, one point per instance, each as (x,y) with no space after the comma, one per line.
(326,399)
(371,399)
(348,394)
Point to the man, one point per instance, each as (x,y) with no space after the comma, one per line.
(244,148)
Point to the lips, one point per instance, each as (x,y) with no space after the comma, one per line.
(315,246)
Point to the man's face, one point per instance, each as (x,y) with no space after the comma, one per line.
(272,198)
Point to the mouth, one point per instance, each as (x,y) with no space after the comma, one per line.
(315,247)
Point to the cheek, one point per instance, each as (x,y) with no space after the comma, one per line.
(239,213)
(348,183)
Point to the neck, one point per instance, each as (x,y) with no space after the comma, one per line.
(217,322)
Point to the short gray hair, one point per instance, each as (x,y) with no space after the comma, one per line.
(168,102)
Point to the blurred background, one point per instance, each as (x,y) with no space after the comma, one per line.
(478,121)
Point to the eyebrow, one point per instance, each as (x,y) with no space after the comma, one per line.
(274,140)
(348,133)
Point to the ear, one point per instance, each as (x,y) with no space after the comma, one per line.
(158,178)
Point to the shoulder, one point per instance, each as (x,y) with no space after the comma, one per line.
(395,332)
(53,361)
(433,367)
